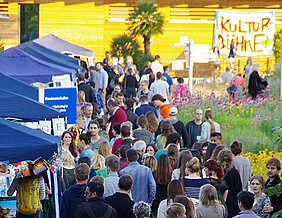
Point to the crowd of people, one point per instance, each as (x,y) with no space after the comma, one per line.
(129,156)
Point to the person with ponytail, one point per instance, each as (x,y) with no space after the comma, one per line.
(233,180)
(208,127)
(193,182)
(83,142)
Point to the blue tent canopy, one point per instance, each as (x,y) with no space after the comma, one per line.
(44,54)
(11,84)
(18,106)
(20,143)
(57,44)
(24,67)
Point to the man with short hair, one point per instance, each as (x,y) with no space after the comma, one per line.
(118,115)
(216,138)
(82,86)
(245,203)
(227,76)
(145,107)
(111,181)
(74,195)
(273,167)
(144,186)
(194,128)
(94,77)
(121,201)
(177,124)
(103,81)
(132,117)
(168,78)
(156,66)
(120,100)
(140,147)
(95,205)
(126,135)
(87,113)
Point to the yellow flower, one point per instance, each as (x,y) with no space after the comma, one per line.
(242,110)
(209,108)
(238,115)
(247,112)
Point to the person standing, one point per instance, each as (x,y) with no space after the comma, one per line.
(87,113)
(208,127)
(130,84)
(160,87)
(95,205)
(118,115)
(145,107)
(168,78)
(194,128)
(273,167)
(82,86)
(103,81)
(94,77)
(232,54)
(111,182)
(156,66)
(94,127)
(227,76)
(120,200)
(245,203)
(144,186)
(83,142)
(75,194)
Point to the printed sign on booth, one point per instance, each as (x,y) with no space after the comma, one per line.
(253,32)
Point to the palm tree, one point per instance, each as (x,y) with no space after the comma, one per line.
(145,21)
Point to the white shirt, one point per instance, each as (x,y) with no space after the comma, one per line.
(227,77)
(156,67)
(160,87)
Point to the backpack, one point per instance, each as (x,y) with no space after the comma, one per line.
(91,214)
(28,201)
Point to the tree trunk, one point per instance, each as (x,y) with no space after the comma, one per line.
(146,44)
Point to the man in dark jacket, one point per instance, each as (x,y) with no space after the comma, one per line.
(145,107)
(95,205)
(273,167)
(194,127)
(121,201)
(82,86)
(132,117)
(177,124)
(74,195)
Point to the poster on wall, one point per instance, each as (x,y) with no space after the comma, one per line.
(253,32)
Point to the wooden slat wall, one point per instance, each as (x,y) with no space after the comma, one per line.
(91,24)
(8,23)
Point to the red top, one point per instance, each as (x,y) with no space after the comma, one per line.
(116,144)
(118,117)
(164,111)
(238,81)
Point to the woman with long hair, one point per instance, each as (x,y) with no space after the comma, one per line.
(151,162)
(166,129)
(172,154)
(162,176)
(232,178)
(193,182)
(257,187)
(189,206)
(151,149)
(174,189)
(142,132)
(104,149)
(68,169)
(152,122)
(209,206)
(248,67)
(98,164)
(184,157)
(208,127)
(68,143)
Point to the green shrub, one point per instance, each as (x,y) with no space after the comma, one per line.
(278,46)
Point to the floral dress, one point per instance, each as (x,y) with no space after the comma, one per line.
(258,206)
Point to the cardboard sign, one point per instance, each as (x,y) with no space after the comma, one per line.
(253,32)
(58,126)
(45,126)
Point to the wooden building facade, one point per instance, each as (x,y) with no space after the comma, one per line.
(92,24)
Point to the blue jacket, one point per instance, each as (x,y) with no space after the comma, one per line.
(71,199)
(144,108)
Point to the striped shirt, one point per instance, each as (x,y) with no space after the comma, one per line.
(144,186)
(192,186)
